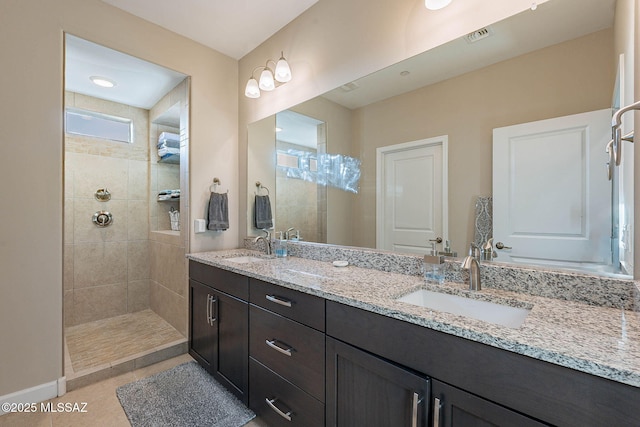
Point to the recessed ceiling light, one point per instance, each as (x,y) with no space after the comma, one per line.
(102,81)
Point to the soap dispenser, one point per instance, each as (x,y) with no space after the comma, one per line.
(434,267)
(280,246)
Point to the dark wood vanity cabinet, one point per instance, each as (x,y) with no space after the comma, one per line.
(298,360)
(452,407)
(480,385)
(287,356)
(367,391)
(219,327)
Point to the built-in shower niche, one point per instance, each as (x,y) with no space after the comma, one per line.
(167,136)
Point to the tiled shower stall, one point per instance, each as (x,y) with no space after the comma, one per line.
(133,270)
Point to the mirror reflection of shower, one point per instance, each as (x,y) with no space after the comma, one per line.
(300,203)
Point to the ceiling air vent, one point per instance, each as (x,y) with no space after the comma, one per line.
(480,34)
(349,87)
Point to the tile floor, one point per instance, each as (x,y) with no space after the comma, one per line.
(103,341)
(103,407)
(105,348)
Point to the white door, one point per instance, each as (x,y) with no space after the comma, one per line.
(551,195)
(411,204)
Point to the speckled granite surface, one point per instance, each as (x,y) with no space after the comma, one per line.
(600,340)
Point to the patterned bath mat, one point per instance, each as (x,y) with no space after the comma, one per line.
(185,395)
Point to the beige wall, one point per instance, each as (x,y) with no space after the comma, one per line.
(106,270)
(31,230)
(568,78)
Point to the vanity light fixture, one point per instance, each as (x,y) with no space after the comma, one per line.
(269,78)
(436,4)
(102,81)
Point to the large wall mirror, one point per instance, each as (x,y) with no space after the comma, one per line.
(418,139)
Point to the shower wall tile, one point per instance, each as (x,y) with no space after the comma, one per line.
(168,266)
(68,267)
(137,295)
(68,308)
(168,177)
(138,220)
(68,220)
(170,306)
(99,302)
(86,231)
(100,264)
(94,172)
(138,265)
(138,180)
(106,270)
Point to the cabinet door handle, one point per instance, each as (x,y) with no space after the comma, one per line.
(208,309)
(271,403)
(214,313)
(277,300)
(437,408)
(414,409)
(273,345)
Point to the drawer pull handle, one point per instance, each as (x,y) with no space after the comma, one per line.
(277,300)
(437,408)
(271,403)
(414,409)
(273,345)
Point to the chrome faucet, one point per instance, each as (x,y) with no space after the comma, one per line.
(267,241)
(288,236)
(616,123)
(471,264)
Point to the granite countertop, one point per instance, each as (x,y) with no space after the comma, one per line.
(597,340)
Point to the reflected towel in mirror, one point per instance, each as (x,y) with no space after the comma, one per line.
(262,212)
(218,215)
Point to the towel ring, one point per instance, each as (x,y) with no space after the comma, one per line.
(260,187)
(216,183)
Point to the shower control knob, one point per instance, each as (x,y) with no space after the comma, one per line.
(500,245)
(102,218)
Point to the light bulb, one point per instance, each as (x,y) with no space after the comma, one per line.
(102,81)
(266,80)
(436,4)
(283,72)
(252,90)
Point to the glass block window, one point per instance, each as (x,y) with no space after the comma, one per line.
(98,125)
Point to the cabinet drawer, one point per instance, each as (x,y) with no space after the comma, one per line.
(231,283)
(280,403)
(292,350)
(301,307)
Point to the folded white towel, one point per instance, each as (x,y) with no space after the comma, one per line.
(164,151)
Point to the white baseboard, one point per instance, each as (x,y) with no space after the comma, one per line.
(36,394)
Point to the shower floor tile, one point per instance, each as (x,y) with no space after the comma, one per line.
(105,341)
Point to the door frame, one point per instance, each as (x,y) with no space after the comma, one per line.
(382,152)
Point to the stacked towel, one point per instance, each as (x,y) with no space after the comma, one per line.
(169,140)
(218,217)
(262,212)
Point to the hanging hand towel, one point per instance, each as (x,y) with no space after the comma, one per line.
(262,214)
(218,218)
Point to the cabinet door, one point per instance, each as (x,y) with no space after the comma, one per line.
(202,344)
(231,325)
(365,390)
(453,407)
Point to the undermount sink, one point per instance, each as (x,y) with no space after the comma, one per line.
(244,259)
(500,314)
